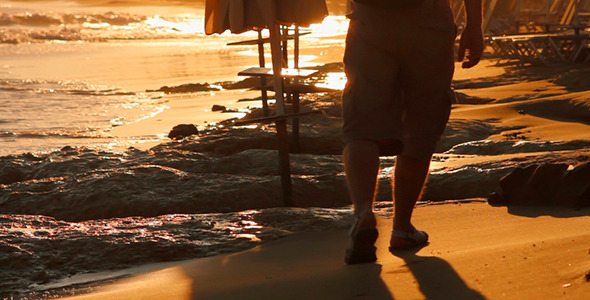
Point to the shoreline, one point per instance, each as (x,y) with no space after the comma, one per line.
(86,209)
(462,260)
(194,108)
(482,150)
(89,283)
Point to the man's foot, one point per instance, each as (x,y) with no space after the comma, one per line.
(363,234)
(401,240)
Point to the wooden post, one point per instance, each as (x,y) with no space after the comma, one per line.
(284,164)
(283,142)
(295,121)
(277,62)
(576,21)
(566,19)
(263,91)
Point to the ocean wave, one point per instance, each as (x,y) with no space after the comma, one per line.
(40,115)
(95,27)
(60,87)
(37,250)
(54,19)
(51,134)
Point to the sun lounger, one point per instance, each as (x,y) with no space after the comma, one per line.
(546,48)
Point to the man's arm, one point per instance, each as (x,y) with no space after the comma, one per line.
(472,36)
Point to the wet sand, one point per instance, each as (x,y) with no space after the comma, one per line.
(476,252)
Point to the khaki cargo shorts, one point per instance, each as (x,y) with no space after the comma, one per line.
(399,64)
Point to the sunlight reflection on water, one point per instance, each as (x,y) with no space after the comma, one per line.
(333,80)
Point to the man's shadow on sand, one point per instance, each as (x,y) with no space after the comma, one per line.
(436,277)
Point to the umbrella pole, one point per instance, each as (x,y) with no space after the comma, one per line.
(283,142)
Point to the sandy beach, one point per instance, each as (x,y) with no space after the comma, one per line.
(83,215)
(477,252)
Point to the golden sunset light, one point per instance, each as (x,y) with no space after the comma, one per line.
(295,149)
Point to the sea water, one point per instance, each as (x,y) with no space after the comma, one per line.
(70,72)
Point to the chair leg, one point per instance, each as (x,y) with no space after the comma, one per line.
(284,163)
(295,124)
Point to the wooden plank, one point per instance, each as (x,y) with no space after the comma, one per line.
(555,6)
(261,63)
(290,88)
(264,40)
(568,15)
(556,49)
(580,46)
(271,119)
(285,72)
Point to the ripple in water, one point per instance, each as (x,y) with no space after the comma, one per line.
(38,113)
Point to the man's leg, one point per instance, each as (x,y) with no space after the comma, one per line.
(410,175)
(361,165)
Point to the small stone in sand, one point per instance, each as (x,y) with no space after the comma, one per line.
(217,107)
(182,130)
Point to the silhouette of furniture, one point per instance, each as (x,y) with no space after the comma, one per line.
(243,15)
(561,38)
(547,48)
(260,41)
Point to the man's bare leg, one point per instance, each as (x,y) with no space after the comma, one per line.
(361,165)
(410,175)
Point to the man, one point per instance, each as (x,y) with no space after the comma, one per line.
(399,61)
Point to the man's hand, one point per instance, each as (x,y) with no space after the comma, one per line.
(472,43)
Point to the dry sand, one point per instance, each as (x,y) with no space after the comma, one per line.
(476,252)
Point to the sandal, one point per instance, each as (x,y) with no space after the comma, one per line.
(361,248)
(416,238)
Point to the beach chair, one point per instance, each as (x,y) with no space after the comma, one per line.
(551,47)
(262,74)
(291,88)
(290,77)
(547,48)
